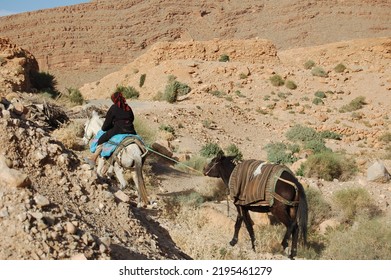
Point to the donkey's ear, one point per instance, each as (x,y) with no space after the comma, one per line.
(236,160)
(220,155)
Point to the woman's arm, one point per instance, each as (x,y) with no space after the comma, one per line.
(108,123)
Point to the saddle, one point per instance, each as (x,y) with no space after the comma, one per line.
(124,143)
(111,148)
(253,182)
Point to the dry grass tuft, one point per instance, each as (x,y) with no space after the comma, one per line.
(70,134)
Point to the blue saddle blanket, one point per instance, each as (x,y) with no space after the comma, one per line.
(109,147)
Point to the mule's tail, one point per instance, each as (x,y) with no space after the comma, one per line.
(141,184)
(302,212)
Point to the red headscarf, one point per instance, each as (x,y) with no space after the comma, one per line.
(120,101)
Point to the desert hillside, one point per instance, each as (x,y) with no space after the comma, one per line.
(320,67)
(85,42)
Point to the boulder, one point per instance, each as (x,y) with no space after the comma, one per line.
(11,177)
(377,172)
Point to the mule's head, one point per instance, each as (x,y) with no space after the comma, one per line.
(88,134)
(220,166)
(90,127)
(212,169)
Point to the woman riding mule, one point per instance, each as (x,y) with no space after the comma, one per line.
(119,120)
(263,187)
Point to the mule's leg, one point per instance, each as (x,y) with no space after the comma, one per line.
(120,175)
(295,237)
(249,226)
(99,167)
(282,213)
(238,224)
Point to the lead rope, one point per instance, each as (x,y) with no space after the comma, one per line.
(227,205)
(153,151)
(173,160)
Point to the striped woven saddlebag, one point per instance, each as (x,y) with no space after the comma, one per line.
(253,182)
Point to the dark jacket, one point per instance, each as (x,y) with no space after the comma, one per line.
(117,121)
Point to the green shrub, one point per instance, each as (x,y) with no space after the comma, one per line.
(189,199)
(233,150)
(207,123)
(128,92)
(310,138)
(239,94)
(48,95)
(317,101)
(279,153)
(320,208)
(309,64)
(290,84)
(354,105)
(243,76)
(316,145)
(142,80)
(368,240)
(277,80)
(167,128)
(386,137)
(218,93)
(261,111)
(75,96)
(170,94)
(330,135)
(224,58)
(339,68)
(283,95)
(210,150)
(44,82)
(195,162)
(145,131)
(353,202)
(328,166)
(182,88)
(294,148)
(301,133)
(319,72)
(320,94)
(174,89)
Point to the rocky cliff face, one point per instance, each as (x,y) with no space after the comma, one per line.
(105,34)
(16,67)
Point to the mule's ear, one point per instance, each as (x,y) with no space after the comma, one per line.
(220,155)
(235,160)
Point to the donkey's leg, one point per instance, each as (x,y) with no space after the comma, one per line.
(295,237)
(120,175)
(295,231)
(249,226)
(238,224)
(99,167)
(282,213)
